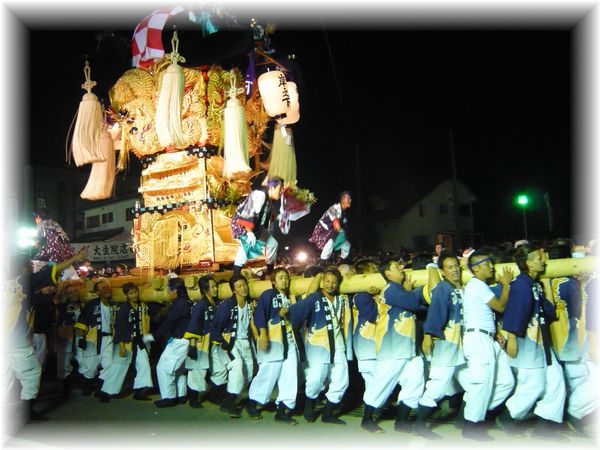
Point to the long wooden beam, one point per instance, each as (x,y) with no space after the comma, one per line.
(156,290)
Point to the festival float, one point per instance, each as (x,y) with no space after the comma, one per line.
(200,131)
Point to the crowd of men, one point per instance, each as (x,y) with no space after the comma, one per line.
(501,348)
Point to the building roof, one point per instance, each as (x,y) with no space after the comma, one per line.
(98,235)
(406,199)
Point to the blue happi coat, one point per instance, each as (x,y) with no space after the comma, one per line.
(522,317)
(223,331)
(199,327)
(266,315)
(396,326)
(364,320)
(90,321)
(567,299)
(445,322)
(318,336)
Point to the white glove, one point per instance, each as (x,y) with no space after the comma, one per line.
(147,338)
(250,238)
(432,266)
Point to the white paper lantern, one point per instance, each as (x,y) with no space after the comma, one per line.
(274,93)
(293,115)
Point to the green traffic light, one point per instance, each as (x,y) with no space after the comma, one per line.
(522,200)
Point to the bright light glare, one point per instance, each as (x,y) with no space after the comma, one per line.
(26,242)
(286,247)
(27,232)
(301,257)
(522,200)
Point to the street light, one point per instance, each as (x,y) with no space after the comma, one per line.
(523,200)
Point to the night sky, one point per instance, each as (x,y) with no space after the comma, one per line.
(395,94)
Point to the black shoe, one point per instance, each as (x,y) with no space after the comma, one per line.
(253,412)
(283,416)
(371,426)
(217,394)
(507,424)
(454,401)
(87,387)
(368,423)
(577,426)
(309,410)
(166,402)
(195,399)
(402,424)
(229,406)
(547,430)
(103,396)
(182,400)
(459,422)
(421,429)
(138,394)
(475,431)
(32,415)
(329,416)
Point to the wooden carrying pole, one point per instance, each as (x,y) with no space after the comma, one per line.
(156,290)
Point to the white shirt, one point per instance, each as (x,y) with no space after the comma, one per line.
(243,321)
(476,312)
(105,313)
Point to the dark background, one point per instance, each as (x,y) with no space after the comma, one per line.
(395,96)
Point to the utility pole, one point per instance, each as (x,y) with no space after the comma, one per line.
(358,196)
(457,243)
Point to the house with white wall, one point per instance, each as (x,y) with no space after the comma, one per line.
(424,215)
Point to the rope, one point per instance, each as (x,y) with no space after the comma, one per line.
(234,91)
(174,56)
(89,84)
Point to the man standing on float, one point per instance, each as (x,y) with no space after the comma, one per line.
(329,233)
(251,225)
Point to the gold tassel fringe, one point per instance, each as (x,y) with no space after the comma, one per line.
(102,176)
(86,136)
(283,156)
(170,98)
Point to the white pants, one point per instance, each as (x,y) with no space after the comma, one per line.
(40,345)
(26,368)
(583,395)
(271,253)
(90,359)
(284,373)
(218,370)
(328,249)
(490,376)
(115,373)
(196,378)
(408,373)
(336,374)
(106,355)
(170,370)
(442,381)
(366,367)
(240,369)
(546,384)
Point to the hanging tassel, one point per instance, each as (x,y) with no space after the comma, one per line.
(170,98)
(235,141)
(283,156)
(86,145)
(102,176)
